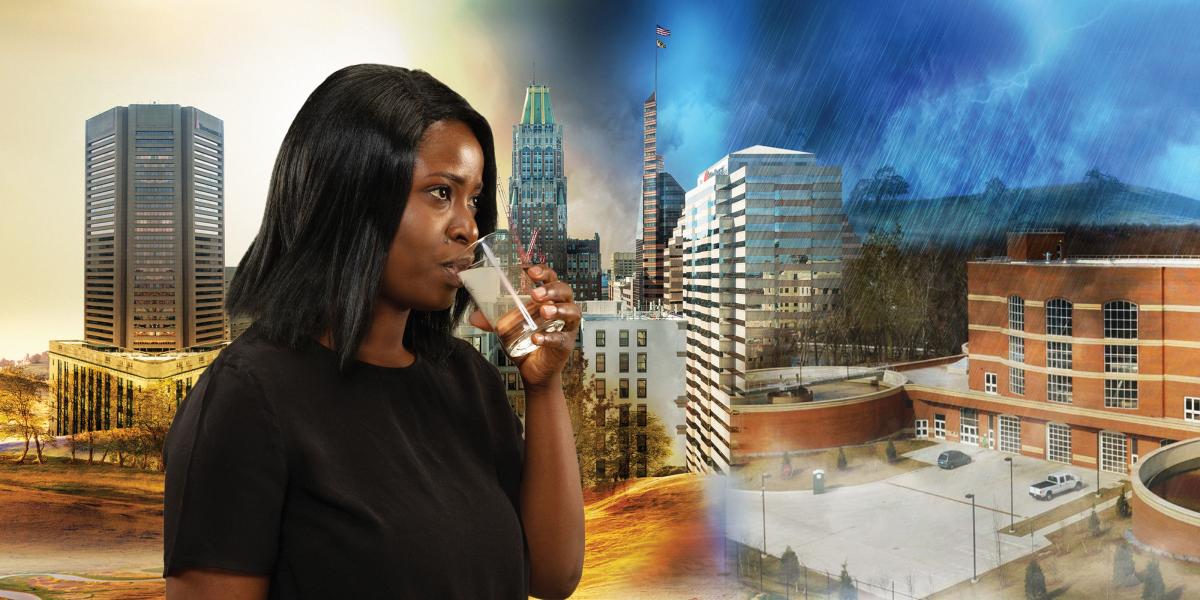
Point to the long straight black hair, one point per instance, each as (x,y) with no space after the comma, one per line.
(338,190)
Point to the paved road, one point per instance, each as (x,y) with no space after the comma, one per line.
(912,529)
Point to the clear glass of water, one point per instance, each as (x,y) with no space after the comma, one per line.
(500,287)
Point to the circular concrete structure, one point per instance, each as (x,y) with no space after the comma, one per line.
(1166,494)
(806,408)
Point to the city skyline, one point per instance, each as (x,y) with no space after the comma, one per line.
(1016,76)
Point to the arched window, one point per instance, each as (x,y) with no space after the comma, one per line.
(1120,319)
(1058,317)
(1016,313)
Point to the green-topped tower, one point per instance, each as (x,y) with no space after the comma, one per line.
(537,190)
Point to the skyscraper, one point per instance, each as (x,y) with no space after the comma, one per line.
(662,202)
(764,237)
(538,189)
(155,228)
(583,268)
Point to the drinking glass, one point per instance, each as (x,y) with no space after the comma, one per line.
(500,287)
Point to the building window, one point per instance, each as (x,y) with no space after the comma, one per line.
(641,388)
(600,468)
(1016,381)
(1016,349)
(641,362)
(939,426)
(1058,443)
(600,366)
(989,383)
(624,422)
(968,425)
(641,337)
(623,390)
(921,429)
(1059,388)
(1120,393)
(1010,434)
(601,422)
(1113,452)
(1120,359)
(623,338)
(623,361)
(1120,320)
(601,392)
(641,445)
(1058,355)
(1191,408)
(599,338)
(1016,313)
(641,415)
(1058,317)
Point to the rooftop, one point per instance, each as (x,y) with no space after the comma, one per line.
(948,377)
(1104,261)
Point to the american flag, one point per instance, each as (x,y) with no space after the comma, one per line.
(663,31)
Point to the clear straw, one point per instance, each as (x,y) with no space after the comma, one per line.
(507,285)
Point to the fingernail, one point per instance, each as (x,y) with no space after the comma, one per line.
(535,271)
(549,311)
(539,293)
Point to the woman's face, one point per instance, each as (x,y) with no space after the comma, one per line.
(438,222)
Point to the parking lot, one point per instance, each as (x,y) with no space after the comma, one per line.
(912,530)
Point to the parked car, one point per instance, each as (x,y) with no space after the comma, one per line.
(952,459)
(1055,483)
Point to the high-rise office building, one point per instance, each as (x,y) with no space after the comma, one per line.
(662,202)
(155,228)
(624,264)
(583,268)
(764,237)
(538,188)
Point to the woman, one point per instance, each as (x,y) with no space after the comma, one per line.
(347,445)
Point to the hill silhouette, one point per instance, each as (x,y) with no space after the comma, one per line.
(971,220)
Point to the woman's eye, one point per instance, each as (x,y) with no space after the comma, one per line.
(442,193)
(475,203)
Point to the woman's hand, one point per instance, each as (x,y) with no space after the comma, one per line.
(543,366)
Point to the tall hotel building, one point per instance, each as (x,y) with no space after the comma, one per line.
(155,230)
(662,201)
(537,188)
(763,238)
(1090,361)
(154,202)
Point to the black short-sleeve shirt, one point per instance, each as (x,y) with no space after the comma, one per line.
(379,483)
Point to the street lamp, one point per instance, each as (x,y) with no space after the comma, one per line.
(1011,518)
(974,569)
(761,557)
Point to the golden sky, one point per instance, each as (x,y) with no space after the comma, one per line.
(251,64)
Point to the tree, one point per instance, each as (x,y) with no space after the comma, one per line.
(1094,524)
(891,452)
(846,589)
(789,570)
(24,406)
(886,184)
(1035,581)
(1123,507)
(155,408)
(1123,570)
(1153,587)
(841,459)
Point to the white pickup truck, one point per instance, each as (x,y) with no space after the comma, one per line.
(1055,483)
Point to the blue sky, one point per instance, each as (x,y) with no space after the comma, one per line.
(950,93)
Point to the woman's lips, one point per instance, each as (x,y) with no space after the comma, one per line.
(452,277)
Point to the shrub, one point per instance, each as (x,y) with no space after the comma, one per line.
(1035,582)
(1124,508)
(841,459)
(1094,524)
(846,590)
(891,451)
(1153,587)
(1123,570)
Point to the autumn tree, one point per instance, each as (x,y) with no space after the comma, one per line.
(24,406)
(154,409)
